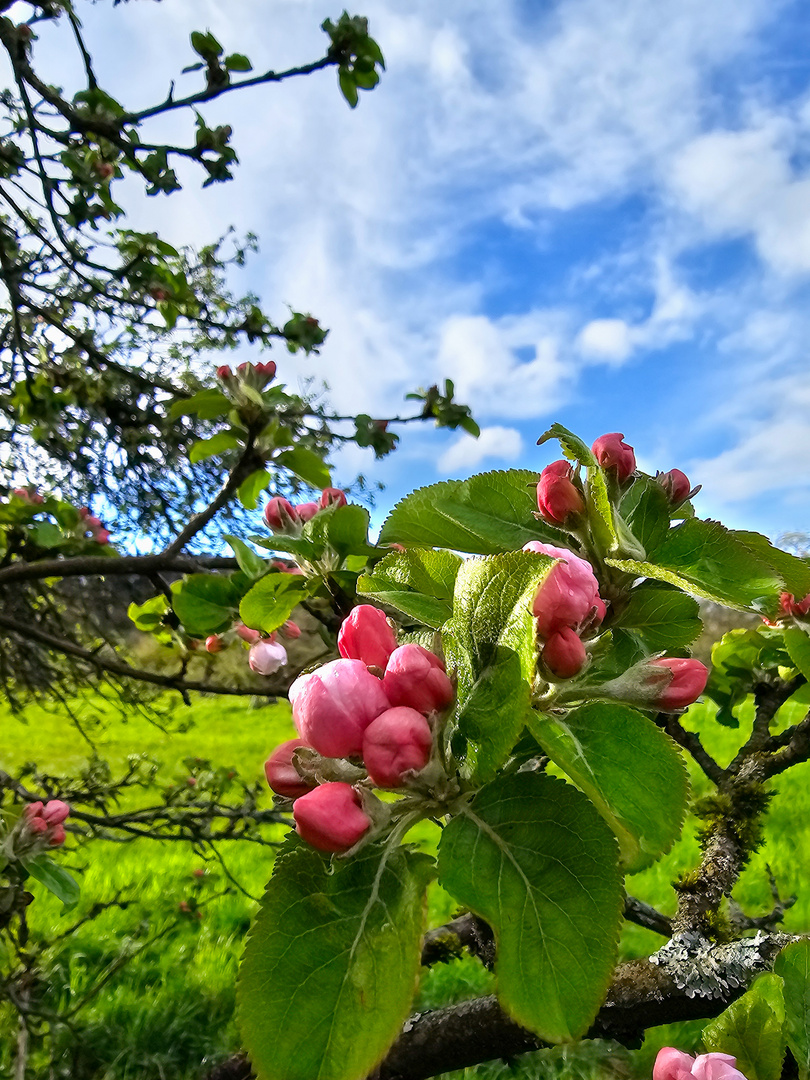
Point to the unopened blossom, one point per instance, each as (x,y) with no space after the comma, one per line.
(281,773)
(366,635)
(331,817)
(558,498)
(613,453)
(266,657)
(332,497)
(333,706)
(688,682)
(564,654)
(569,594)
(395,745)
(676,485)
(672,1064)
(280,515)
(415,677)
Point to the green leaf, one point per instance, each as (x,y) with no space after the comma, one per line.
(347,530)
(306,465)
(533,858)
(250,489)
(486,514)
(573,447)
(703,558)
(794,572)
(213,447)
(205,603)
(272,600)
(56,879)
(797,644)
(660,617)
(48,535)
(207,404)
(348,86)
(149,615)
(752,1030)
(490,641)
(331,964)
(793,966)
(417,582)
(606,749)
(249,562)
(645,508)
(205,45)
(237,62)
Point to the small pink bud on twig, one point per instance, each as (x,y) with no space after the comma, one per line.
(415,677)
(613,453)
(366,635)
(281,773)
(331,817)
(396,744)
(558,499)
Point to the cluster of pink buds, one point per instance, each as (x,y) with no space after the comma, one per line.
(374,705)
(282,516)
(613,453)
(672,1064)
(566,606)
(92,526)
(254,375)
(29,495)
(43,823)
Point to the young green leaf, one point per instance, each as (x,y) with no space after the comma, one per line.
(486,514)
(533,858)
(54,877)
(205,603)
(798,647)
(794,572)
(149,615)
(249,490)
(306,465)
(793,966)
(605,749)
(660,617)
(207,404)
(213,447)
(490,642)
(272,600)
(347,530)
(646,510)
(417,582)
(752,1030)
(249,562)
(331,963)
(573,447)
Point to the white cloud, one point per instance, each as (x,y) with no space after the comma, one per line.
(502,443)
(609,340)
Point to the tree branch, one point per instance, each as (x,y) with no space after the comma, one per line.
(107,566)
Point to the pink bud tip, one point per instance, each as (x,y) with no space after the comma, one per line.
(55,812)
(415,677)
(280,514)
(37,825)
(397,743)
(266,657)
(791,606)
(33,810)
(564,654)
(281,773)
(268,369)
(213,643)
(224,372)
(558,498)
(333,706)
(331,817)
(92,522)
(307,511)
(672,1064)
(291,630)
(568,594)
(102,536)
(676,485)
(57,836)
(365,635)
(84,511)
(611,452)
(688,682)
(247,634)
(332,497)
(191,781)
(198,873)
(244,368)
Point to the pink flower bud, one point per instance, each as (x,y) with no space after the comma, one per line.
(291,630)
(33,810)
(307,511)
(247,634)
(213,643)
(37,499)
(22,493)
(557,496)
(415,677)
(332,497)
(282,775)
(102,536)
(564,654)
(334,705)
(791,606)
(611,452)
(569,593)
(365,635)
(57,836)
(92,522)
(331,817)
(676,485)
(268,370)
(266,657)
(280,514)
(687,684)
(37,825)
(84,511)
(396,743)
(224,372)
(672,1064)
(55,812)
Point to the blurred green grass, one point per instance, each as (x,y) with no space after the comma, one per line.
(166,1007)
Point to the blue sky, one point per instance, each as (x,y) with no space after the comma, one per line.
(589,211)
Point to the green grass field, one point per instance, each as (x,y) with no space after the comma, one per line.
(166,1004)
